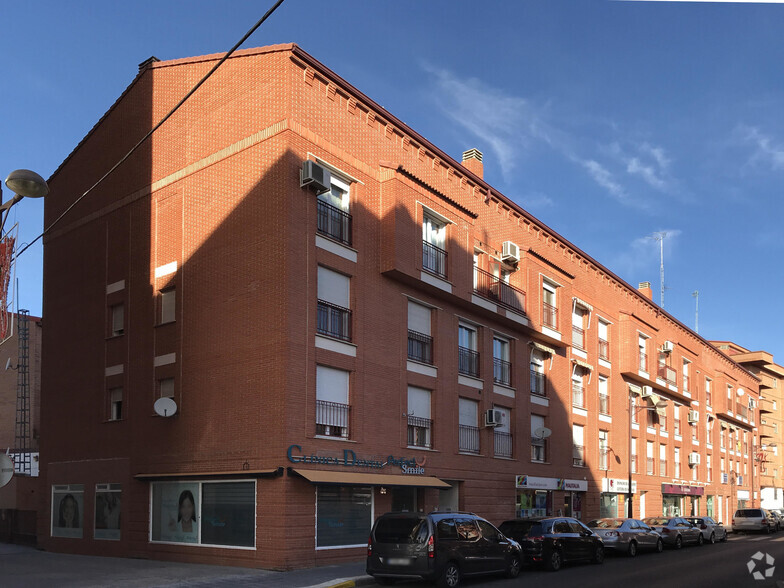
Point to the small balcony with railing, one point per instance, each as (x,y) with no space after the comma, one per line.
(578,455)
(494,288)
(502,372)
(604,403)
(650,466)
(434,259)
(419,432)
(604,350)
(742,411)
(332,419)
(333,223)
(642,362)
(604,458)
(686,382)
(502,444)
(420,347)
(578,395)
(538,383)
(333,321)
(468,362)
(549,316)
(468,439)
(667,374)
(538,449)
(578,337)
(662,467)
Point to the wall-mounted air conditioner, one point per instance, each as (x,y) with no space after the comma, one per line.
(510,252)
(694,416)
(647,391)
(668,346)
(315,177)
(493,418)
(694,458)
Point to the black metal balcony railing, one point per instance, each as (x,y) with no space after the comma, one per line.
(503,444)
(433,259)
(333,222)
(578,455)
(502,371)
(604,403)
(549,315)
(538,383)
(578,337)
(578,395)
(538,449)
(332,419)
(494,288)
(667,374)
(468,438)
(468,361)
(604,458)
(604,350)
(420,347)
(333,321)
(650,466)
(419,432)
(643,363)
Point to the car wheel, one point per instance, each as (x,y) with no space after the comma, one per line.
(724,539)
(450,577)
(514,567)
(713,537)
(700,539)
(659,546)
(678,542)
(767,529)
(632,551)
(555,561)
(598,554)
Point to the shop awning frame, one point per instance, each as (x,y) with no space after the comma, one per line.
(365,479)
(270,473)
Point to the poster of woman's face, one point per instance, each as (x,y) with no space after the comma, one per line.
(179,513)
(107,514)
(67,510)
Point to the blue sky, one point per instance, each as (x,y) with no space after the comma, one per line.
(608,120)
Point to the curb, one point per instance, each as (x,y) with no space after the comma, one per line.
(346,582)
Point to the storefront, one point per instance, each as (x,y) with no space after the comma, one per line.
(681,500)
(574,495)
(536,497)
(743,498)
(615,497)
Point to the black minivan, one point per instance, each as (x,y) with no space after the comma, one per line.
(439,546)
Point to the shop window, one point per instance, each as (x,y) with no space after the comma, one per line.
(67,510)
(108,499)
(344,516)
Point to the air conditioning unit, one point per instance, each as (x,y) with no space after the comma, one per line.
(647,391)
(316,177)
(694,458)
(510,252)
(668,346)
(493,418)
(694,416)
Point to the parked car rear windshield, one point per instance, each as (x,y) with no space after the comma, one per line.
(748,513)
(655,521)
(605,524)
(401,530)
(521,528)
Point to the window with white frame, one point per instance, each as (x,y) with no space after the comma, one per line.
(419,420)
(117,312)
(578,445)
(662,459)
(420,341)
(332,408)
(538,382)
(549,305)
(642,345)
(676,419)
(604,340)
(677,462)
(108,501)
(604,396)
(67,510)
(115,404)
(686,375)
(578,327)
(333,312)
(502,435)
(468,356)
(649,453)
(538,441)
(708,394)
(434,245)
(604,450)
(502,367)
(468,429)
(334,220)
(634,455)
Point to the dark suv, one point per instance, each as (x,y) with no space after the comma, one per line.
(440,546)
(555,541)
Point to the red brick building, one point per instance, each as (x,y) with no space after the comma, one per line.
(348,321)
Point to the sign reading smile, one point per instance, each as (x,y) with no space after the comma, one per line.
(408,465)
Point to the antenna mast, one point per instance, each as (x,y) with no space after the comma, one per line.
(660,238)
(696,295)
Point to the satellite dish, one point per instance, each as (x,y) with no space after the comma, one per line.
(740,391)
(165,407)
(542,432)
(6,469)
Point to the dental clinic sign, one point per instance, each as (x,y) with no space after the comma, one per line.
(407,465)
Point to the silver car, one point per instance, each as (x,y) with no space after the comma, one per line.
(627,535)
(711,530)
(675,531)
(754,519)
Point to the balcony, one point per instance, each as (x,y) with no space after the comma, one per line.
(662,467)
(578,337)
(538,449)
(578,395)
(604,350)
(686,382)
(549,316)
(742,411)
(538,383)
(333,223)
(604,462)
(468,439)
(604,403)
(419,432)
(667,374)
(420,347)
(332,419)
(333,321)
(650,466)
(767,431)
(766,405)
(578,455)
(642,364)
(503,444)
(468,362)
(434,259)
(495,289)
(502,372)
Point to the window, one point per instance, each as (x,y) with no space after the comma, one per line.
(709,468)
(708,396)
(468,431)
(419,423)
(168,305)
(108,499)
(166,388)
(578,391)
(67,510)
(604,345)
(538,443)
(334,316)
(604,449)
(433,246)
(502,368)
(709,440)
(662,460)
(635,410)
(677,472)
(662,420)
(468,357)
(115,404)
(676,419)
(538,381)
(118,319)
(649,453)
(686,372)
(502,436)
(420,343)
(549,306)
(578,445)
(334,220)
(642,342)
(332,409)
(578,331)
(204,513)
(604,397)
(634,455)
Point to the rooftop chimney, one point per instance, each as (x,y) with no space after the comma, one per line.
(645,289)
(472,160)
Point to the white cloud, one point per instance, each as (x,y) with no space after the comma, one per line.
(603,177)
(641,259)
(766,151)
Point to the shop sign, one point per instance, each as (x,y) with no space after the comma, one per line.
(679,489)
(618,485)
(743,494)
(572,485)
(407,465)
(534,482)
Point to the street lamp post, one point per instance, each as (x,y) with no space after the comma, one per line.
(24,184)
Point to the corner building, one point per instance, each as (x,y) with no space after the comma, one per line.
(347,321)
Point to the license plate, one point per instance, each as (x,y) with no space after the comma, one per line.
(398,561)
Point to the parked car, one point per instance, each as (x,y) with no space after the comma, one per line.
(626,535)
(779,519)
(675,531)
(753,519)
(439,546)
(553,541)
(711,530)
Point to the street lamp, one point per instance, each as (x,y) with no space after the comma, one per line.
(632,412)
(24,184)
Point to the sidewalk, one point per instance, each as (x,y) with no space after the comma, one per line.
(27,567)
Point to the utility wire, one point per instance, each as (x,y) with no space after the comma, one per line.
(157,126)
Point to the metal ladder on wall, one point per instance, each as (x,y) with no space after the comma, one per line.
(23,457)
